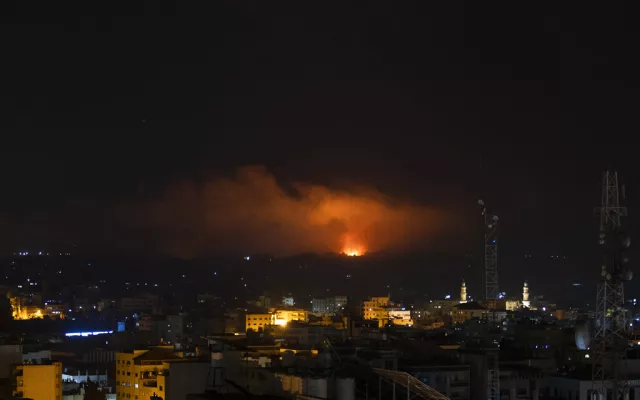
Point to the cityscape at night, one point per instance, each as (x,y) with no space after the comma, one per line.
(376,201)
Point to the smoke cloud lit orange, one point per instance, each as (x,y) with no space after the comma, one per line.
(252,213)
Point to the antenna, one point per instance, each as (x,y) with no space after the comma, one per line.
(490,253)
(491,294)
(611,327)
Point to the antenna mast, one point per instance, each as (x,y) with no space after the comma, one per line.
(611,327)
(490,253)
(490,295)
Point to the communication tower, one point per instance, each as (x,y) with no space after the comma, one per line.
(491,293)
(611,326)
(490,253)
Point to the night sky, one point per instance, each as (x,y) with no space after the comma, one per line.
(430,105)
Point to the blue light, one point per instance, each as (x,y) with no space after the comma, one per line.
(494,241)
(85,334)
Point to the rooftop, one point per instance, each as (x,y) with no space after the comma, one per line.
(471,305)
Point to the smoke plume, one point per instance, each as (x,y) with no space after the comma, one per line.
(252,213)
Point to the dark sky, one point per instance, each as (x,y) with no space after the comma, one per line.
(430,102)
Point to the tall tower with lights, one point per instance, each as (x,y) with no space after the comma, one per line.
(611,327)
(491,294)
(463,292)
(490,253)
(525,295)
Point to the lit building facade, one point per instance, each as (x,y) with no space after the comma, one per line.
(525,295)
(20,310)
(143,373)
(283,317)
(257,321)
(376,308)
(137,372)
(400,316)
(42,381)
(276,317)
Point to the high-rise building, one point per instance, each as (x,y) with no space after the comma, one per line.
(39,381)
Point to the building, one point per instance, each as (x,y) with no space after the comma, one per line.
(170,330)
(56,309)
(400,316)
(376,308)
(143,373)
(36,357)
(144,303)
(39,381)
(178,378)
(22,309)
(304,335)
(276,317)
(257,321)
(466,311)
(525,295)
(329,305)
(463,292)
(137,372)
(454,381)
(341,302)
(322,305)
(283,317)
(512,305)
(288,301)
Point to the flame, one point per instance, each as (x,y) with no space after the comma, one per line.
(352,247)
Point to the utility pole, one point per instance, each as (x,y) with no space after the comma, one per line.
(611,327)
(491,295)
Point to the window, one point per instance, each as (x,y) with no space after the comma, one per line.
(136,385)
(160,387)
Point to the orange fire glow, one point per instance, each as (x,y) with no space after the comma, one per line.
(252,213)
(352,247)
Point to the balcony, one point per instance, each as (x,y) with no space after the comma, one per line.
(150,383)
